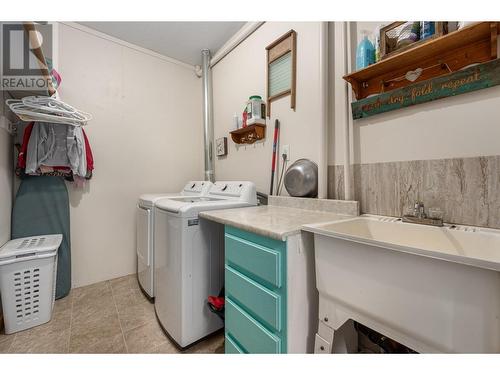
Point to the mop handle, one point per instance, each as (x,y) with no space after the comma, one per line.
(275,142)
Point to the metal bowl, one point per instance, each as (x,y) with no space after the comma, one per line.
(301,179)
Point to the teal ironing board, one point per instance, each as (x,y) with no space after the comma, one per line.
(42,207)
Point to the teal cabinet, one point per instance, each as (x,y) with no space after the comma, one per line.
(255,298)
(255,284)
(263,263)
(232,347)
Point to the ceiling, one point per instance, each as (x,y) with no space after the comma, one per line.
(180,40)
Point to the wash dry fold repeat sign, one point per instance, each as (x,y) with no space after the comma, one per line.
(471,79)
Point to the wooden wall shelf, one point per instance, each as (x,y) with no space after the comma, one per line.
(449,53)
(249,134)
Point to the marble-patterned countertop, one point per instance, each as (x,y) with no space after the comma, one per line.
(270,221)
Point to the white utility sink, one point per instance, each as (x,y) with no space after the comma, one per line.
(432,289)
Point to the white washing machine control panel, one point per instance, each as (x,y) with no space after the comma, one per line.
(242,190)
(197,187)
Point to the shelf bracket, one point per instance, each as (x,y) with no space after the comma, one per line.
(494,37)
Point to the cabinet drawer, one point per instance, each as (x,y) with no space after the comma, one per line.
(254,259)
(262,303)
(230,347)
(248,332)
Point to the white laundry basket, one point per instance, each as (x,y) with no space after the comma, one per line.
(28,268)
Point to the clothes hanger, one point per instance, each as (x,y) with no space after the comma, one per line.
(47,109)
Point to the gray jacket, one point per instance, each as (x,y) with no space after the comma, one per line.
(56,145)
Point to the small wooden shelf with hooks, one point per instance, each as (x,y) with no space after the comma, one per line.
(249,134)
(442,55)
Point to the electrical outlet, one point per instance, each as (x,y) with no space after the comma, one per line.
(285,149)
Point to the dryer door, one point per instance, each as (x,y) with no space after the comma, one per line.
(144,250)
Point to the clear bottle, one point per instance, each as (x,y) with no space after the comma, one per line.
(365,53)
(427,29)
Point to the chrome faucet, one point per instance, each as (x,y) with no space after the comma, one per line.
(419,210)
(419,216)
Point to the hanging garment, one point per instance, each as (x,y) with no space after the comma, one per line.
(44,170)
(62,171)
(88,156)
(54,145)
(21,158)
(42,207)
(75,149)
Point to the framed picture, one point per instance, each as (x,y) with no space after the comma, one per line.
(221,146)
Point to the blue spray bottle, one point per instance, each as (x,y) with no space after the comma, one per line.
(427,29)
(365,53)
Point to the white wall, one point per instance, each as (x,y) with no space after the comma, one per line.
(461,126)
(146,136)
(243,73)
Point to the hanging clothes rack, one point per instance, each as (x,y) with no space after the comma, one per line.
(47,109)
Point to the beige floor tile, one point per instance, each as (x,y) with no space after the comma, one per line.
(211,345)
(122,284)
(125,299)
(108,317)
(112,344)
(51,337)
(63,304)
(6,342)
(107,322)
(135,283)
(141,297)
(88,294)
(220,349)
(93,310)
(24,334)
(146,338)
(61,321)
(50,342)
(166,348)
(136,315)
(129,298)
(89,336)
(100,286)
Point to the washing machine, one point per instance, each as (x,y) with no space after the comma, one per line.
(145,226)
(189,259)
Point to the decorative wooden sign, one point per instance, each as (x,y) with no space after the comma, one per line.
(477,77)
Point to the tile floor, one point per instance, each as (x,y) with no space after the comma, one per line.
(108,317)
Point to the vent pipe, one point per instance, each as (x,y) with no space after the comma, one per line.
(208,123)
